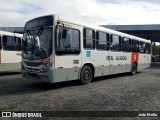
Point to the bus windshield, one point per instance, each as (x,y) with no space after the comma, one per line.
(37,43)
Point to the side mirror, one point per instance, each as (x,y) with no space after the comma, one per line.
(64,34)
(63,31)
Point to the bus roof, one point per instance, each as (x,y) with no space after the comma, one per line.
(99,28)
(96,27)
(10,34)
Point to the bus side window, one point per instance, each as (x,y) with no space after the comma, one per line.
(135,46)
(148,48)
(102,41)
(70,44)
(115,43)
(89,38)
(142,47)
(8,43)
(4,42)
(17,41)
(126,44)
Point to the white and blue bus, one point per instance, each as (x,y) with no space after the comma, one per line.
(10,51)
(57,49)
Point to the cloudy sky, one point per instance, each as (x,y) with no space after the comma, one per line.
(99,12)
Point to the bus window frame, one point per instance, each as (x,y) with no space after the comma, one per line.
(57,37)
(14,45)
(149,48)
(107,41)
(5,45)
(144,48)
(84,38)
(17,41)
(130,45)
(136,47)
(120,42)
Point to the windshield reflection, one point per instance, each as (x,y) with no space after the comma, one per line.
(37,43)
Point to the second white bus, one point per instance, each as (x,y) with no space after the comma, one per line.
(57,49)
(10,51)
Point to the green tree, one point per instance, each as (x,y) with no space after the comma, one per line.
(156,49)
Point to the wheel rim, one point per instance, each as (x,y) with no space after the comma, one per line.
(86,75)
(134,69)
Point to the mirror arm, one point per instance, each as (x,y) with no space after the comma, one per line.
(60,23)
(57,37)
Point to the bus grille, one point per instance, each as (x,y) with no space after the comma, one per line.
(32,74)
(32,69)
(36,64)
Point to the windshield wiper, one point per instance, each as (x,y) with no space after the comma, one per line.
(26,44)
(39,31)
(35,40)
(29,34)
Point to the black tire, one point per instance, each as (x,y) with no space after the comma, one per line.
(134,69)
(86,75)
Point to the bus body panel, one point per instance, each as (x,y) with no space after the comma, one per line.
(67,67)
(102,67)
(120,62)
(10,61)
(141,61)
(144,61)
(10,67)
(11,56)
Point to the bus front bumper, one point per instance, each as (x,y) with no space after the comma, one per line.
(39,76)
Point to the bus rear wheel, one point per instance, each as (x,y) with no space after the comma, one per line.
(86,75)
(134,69)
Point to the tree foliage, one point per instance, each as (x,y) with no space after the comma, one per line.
(156,49)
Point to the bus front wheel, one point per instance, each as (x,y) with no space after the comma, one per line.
(134,69)
(86,75)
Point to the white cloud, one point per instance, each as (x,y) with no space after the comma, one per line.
(157,43)
(100,12)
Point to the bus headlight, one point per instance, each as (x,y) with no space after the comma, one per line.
(44,68)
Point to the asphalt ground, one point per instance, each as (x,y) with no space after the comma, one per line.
(120,92)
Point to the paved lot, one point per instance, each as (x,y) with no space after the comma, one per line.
(120,92)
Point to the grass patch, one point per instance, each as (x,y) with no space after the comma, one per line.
(9,106)
(2,109)
(12,105)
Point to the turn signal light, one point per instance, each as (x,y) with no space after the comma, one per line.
(45,61)
(44,77)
